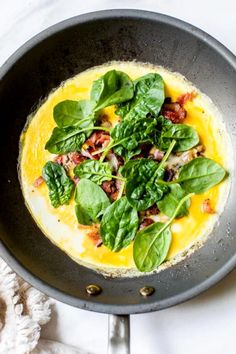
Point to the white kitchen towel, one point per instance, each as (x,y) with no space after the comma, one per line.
(23,310)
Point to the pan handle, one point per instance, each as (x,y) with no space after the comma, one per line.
(118,334)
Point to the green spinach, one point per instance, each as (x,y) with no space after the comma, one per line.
(171,200)
(119,225)
(91,201)
(200,174)
(73,113)
(59,184)
(126,154)
(94,170)
(149,96)
(143,188)
(151,245)
(130,134)
(185,136)
(63,141)
(136,192)
(112,88)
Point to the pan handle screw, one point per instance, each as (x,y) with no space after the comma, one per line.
(93,289)
(146,291)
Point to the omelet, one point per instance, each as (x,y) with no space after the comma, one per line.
(61,226)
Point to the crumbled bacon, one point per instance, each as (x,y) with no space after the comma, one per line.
(112,188)
(174,112)
(114,195)
(109,187)
(94,235)
(69,160)
(153,210)
(146,222)
(61,159)
(169,174)
(76,157)
(206,207)
(97,141)
(38,182)
(188,96)
(156,154)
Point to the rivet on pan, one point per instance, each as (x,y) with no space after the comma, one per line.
(93,289)
(146,291)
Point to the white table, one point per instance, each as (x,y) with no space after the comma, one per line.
(205,325)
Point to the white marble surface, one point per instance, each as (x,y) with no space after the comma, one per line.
(204,325)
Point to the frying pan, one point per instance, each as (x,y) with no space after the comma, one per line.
(57,54)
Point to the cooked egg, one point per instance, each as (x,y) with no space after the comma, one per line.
(60,225)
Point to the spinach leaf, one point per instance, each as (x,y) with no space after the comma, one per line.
(136,192)
(171,200)
(112,88)
(151,245)
(94,170)
(73,113)
(91,201)
(126,154)
(59,184)
(157,190)
(130,134)
(200,174)
(119,225)
(148,98)
(67,140)
(143,188)
(185,136)
(128,169)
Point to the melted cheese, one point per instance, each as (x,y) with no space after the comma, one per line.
(60,224)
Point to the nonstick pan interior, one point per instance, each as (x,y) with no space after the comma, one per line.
(42,64)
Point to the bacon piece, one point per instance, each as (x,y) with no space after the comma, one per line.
(76,158)
(97,141)
(146,222)
(188,96)
(114,195)
(206,207)
(94,235)
(98,138)
(156,154)
(169,174)
(174,112)
(111,188)
(153,210)
(59,159)
(38,182)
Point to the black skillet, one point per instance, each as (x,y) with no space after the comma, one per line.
(59,53)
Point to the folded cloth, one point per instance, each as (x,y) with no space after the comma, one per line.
(23,310)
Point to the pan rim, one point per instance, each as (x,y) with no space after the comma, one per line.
(16,265)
